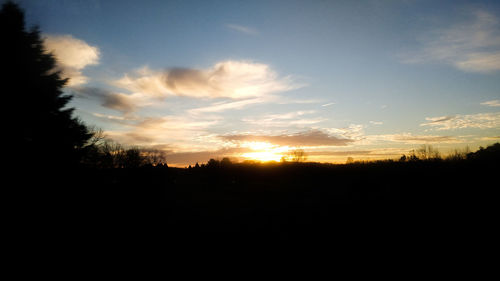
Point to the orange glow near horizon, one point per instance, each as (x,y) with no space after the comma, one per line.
(264,152)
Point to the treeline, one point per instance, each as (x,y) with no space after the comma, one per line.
(424,154)
(103,153)
(429,153)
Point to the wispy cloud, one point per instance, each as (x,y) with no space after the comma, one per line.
(242,29)
(328,104)
(227,79)
(480,120)
(189,158)
(408,138)
(289,119)
(182,131)
(125,103)
(72,56)
(493,103)
(353,132)
(491,138)
(472,45)
(307,138)
(232,105)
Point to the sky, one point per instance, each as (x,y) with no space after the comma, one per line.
(254,80)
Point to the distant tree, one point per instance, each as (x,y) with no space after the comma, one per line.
(458,155)
(403,158)
(212,163)
(412,156)
(298,155)
(225,162)
(350,160)
(42,126)
(491,153)
(154,156)
(133,158)
(427,152)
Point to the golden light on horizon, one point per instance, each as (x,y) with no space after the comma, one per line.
(264,151)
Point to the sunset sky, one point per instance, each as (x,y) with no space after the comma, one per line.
(256,79)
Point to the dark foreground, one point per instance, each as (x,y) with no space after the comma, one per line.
(299,199)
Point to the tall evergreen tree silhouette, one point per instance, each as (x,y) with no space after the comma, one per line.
(42,128)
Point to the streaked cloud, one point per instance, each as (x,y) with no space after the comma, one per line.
(408,138)
(124,120)
(493,103)
(121,102)
(472,45)
(125,103)
(295,118)
(338,153)
(72,56)
(353,132)
(328,104)
(379,152)
(186,133)
(232,105)
(491,138)
(242,29)
(480,121)
(190,158)
(312,137)
(226,79)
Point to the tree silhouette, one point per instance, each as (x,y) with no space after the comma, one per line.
(42,128)
(298,155)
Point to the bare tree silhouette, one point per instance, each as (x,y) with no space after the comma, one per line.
(298,155)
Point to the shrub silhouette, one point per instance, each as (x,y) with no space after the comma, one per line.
(42,127)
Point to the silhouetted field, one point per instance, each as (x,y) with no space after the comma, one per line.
(277,198)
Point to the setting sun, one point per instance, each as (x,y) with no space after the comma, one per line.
(263,156)
(264,151)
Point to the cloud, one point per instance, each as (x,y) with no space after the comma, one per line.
(480,62)
(72,56)
(328,104)
(125,103)
(493,103)
(189,158)
(223,106)
(243,83)
(285,120)
(123,120)
(376,122)
(384,152)
(480,121)
(472,45)
(307,138)
(339,153)
(189,134)
(491,138)
(242,29)
(227,79)
(413,139)
(353,132)
(120,102)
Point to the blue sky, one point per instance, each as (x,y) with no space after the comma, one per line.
(361,79)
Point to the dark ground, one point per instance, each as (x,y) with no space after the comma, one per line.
(299,200)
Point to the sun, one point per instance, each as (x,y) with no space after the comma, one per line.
(263,156)
(264,151)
